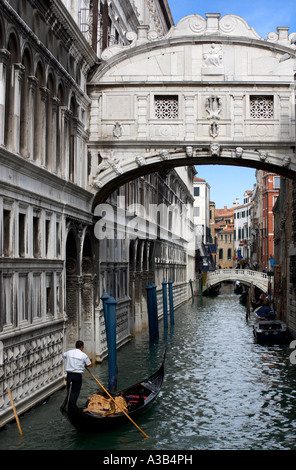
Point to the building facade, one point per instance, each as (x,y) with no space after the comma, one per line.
(202,211)
(53,267)
(284,266)
(270,193)
(242,229)
(224,228)
(262,228)
(46,225)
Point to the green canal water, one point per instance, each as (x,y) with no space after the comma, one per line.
(222,391)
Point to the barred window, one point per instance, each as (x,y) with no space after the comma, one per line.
(166,107)
(261,107)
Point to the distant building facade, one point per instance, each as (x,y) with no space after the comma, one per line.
(242,229)
(224,228)
(204,238)
(264,198)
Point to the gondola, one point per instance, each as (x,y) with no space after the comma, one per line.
(138,397)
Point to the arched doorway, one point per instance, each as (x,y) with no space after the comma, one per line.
(80,286)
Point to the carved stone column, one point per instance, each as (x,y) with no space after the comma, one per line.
(27,139)
(52,147)
(13,137)
(42,136)
(65,114)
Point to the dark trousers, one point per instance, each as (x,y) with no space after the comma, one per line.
(75,381)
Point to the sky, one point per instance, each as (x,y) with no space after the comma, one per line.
(228,183)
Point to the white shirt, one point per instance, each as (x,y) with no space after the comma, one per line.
(76,361)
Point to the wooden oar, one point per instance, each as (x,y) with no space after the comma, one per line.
(15,413)
(116,403)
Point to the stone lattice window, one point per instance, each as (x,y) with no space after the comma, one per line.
(261,107)
(166,107)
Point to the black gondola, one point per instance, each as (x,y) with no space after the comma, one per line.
(139,398)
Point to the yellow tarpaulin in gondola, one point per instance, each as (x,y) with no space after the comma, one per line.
(105,406)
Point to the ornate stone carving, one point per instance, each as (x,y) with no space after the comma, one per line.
(239,152)
(164,154)
(215,150)
(214,56)
(213,106)
(111,162)
(189,151)
(214,129)
(286,161)
(117,130)
(262,155)
(140,160)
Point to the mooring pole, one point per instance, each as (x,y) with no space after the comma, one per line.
(191,286)
(150,312)
(165,303)
(155,309)
(171,300)
(111,336)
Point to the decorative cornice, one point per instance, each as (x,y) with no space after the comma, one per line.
(230,29)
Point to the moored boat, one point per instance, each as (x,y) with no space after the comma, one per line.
(137,399)
(267,329)
(271,331)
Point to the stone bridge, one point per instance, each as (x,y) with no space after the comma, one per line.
(212,91)
(245,276)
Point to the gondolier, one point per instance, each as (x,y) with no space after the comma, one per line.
(138,398)
(76,360)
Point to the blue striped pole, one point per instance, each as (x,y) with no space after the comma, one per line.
(150,312)
(155,309)
(111,335)
(165,303)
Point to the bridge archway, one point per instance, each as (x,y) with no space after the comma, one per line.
(178,158)
(212,91)
(244,276)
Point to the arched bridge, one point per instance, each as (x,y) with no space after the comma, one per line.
(245,276)
(212,91)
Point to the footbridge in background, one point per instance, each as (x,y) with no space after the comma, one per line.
(245,276)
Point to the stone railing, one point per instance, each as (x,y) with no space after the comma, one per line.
(245,276)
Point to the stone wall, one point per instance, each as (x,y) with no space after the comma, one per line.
(31,367)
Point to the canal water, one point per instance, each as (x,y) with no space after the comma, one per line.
(222,391)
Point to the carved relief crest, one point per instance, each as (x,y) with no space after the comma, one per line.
(214,56)
(213,106)
(117,130)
